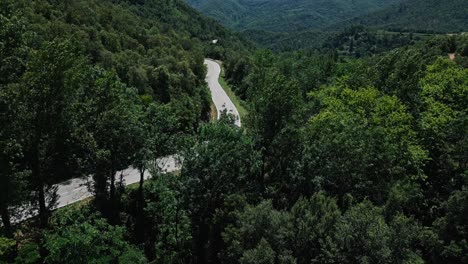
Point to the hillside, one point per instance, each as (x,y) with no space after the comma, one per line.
(280,15)
(419,15)
(80,79)
(352,148)
(144,43)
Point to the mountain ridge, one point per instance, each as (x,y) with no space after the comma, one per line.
(417,15)
(279,15)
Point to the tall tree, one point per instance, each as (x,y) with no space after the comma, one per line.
(259,233)
(114,114)
(452,228)
(168,224)
(13,51)
(360,143)
(275,105)
(444,122)
(13,181)
(222,162)
(362,236)
(79,236)
(45,98)
(156,140)
(313,221)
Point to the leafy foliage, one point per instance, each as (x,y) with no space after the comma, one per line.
(168,220)
(82,238)
(419,15)
(285,16)
(222,162)
(350,156)
(365,134)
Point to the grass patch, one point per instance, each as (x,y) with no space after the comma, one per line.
(236,100)
(213,112)
(136,185)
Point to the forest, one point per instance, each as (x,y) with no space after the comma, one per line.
(351,152)
(286,16)
(419,16)
(300,24)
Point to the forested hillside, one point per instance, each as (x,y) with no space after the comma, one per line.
(355,41)
(285,16)
(87,87)
(354,152)
(361,160)
(420,16)
(292,25)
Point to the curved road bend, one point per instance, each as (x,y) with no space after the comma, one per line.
(75,190)
(220,99)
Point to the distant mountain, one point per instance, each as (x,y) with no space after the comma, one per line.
(286,15)
(418,15)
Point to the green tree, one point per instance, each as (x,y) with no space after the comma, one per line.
(361,143)
(13,50)
(114,112)
(399,72)
(45,98)
(161,84)
(13,182)
(221,162)
(453,229)
(262,254)
(362,236)
(236,71)
(443,125)
(28,254)
(406,240)
(275,103)
(169,225)
(156,140)
(7,247)
(82,237)
(313,221)
(302,235)
(260,233)
(405,197)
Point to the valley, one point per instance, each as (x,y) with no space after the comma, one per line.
(236,132)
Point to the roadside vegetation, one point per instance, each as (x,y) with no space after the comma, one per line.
(240,105)
(341,158)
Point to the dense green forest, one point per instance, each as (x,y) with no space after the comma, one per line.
(305,15)
(293,25)
(285,16)
(420,16)
(354,151)
(356,41)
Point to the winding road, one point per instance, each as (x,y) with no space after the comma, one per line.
(76,190)
(218,95)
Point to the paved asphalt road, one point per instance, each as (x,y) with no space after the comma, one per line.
(219,96)
(75,190)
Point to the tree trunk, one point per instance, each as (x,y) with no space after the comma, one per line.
(100,177)
(39,184)
(6,221)
(43,213)
(112,186)
(142,179)
(150,249)
(201,242)
(113,214)
(140,217)
(100,190)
